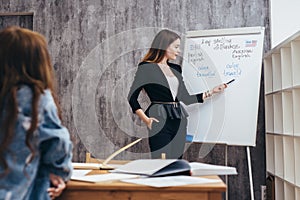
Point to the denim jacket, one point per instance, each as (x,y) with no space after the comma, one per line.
(53,151)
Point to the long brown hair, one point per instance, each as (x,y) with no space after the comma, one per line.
(159,45)
(24,60)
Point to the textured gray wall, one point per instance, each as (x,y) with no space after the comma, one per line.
(95,46)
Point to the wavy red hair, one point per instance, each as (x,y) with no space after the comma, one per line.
(24,60)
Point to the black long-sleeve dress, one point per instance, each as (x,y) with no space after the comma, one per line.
(168,135)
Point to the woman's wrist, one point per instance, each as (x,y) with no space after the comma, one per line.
(210,93)
(207,94)
(147,120)
(143,116)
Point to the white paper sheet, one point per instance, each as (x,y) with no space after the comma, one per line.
(80,172)
(171,181)
(104,177)
(77,165)
(201,169)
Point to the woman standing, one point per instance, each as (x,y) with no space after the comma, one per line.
(165,118)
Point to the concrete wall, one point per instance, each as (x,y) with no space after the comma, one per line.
(95,46)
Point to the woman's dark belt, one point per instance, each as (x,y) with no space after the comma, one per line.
(175,103)
(170,109)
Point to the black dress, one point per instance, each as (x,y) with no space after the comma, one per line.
(168,135)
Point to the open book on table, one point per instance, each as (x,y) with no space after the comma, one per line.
(169,167)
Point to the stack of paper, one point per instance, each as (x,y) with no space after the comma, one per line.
(169,181)
(201,169)
(103,177)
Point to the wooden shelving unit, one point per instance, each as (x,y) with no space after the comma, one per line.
(282,108)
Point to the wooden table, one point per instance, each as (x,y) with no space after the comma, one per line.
(116,190)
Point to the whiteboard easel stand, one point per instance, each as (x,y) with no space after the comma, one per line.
(250,173)
(195,39)
(226,176)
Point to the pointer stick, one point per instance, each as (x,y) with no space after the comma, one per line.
(104,164)
(230,81)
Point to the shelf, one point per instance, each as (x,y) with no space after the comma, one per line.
(268,75)
(295,52)
(288,159)
(287,111)
(290,89)
(270,153)
(286,67)
(289,191)
(276,66)
(296,111)
(278,147)
(269,114)
(279,189)
(282,113)
(297,193)
(277,107)
(297,161)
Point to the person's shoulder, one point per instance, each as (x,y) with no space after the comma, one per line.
(24,96)
(46,99)
(47,95)
(146,66)
(176,67)
(24,91)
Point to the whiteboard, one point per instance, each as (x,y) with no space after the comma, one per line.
(212,57)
